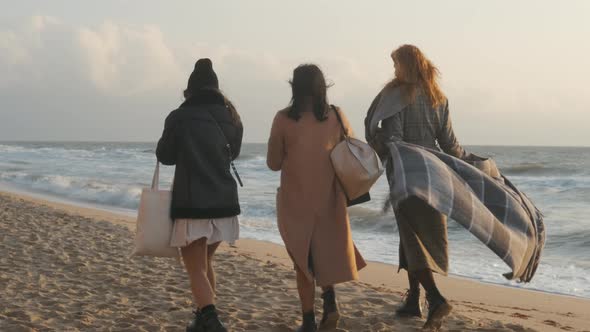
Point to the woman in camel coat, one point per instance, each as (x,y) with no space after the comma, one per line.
(311,205)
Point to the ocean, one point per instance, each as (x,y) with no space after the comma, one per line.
(111,175)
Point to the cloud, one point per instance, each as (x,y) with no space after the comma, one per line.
(112,59)
(124,60)
(116,81)
(84,82)
(94,82)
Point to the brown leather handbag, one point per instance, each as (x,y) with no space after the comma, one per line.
(356,164)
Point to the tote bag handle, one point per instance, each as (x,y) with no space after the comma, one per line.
(156,177)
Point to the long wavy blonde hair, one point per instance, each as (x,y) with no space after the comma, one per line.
(413,71)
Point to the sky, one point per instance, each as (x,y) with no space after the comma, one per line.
(515,72)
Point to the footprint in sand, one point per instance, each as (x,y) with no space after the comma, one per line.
(519,315)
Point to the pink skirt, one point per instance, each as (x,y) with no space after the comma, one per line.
(185,231)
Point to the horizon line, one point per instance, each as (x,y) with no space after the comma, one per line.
(123,141)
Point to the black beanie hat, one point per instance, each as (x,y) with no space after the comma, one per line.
(202,76)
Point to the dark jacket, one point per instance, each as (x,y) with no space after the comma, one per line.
(203,185)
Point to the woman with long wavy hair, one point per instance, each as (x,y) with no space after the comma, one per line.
(311,204)
(424,120)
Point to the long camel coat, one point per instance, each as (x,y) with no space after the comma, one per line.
(311,205)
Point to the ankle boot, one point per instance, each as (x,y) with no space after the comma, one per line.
(330,314)
(438,310)
(309,324)
(411,306)
(195,324)
(206,320)
(211,323)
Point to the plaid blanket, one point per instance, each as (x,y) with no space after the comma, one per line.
(477,196)
(471,191)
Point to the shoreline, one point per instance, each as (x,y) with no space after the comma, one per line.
(265,142)
(128,218)
(479,301)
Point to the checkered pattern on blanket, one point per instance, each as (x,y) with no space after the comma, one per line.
(491,208)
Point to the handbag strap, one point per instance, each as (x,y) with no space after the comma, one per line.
(156,177)
(345,132)
(228,147)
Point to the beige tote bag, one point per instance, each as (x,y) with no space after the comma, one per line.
(356,164)
(154,226)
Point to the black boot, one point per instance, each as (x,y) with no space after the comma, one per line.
(206,320)
(330,314)
(411,306)
(195,325)
(438,310)
(309,324)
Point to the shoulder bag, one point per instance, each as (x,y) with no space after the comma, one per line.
(356,164)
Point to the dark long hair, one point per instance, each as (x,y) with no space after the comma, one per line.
(228,104)
(308,82)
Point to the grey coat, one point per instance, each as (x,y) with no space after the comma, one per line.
(416,123)
(469,189)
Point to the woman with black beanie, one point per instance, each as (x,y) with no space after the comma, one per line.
(202,138)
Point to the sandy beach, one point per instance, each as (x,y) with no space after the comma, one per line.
(67,268)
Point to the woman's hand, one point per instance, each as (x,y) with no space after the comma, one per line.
(377,142)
